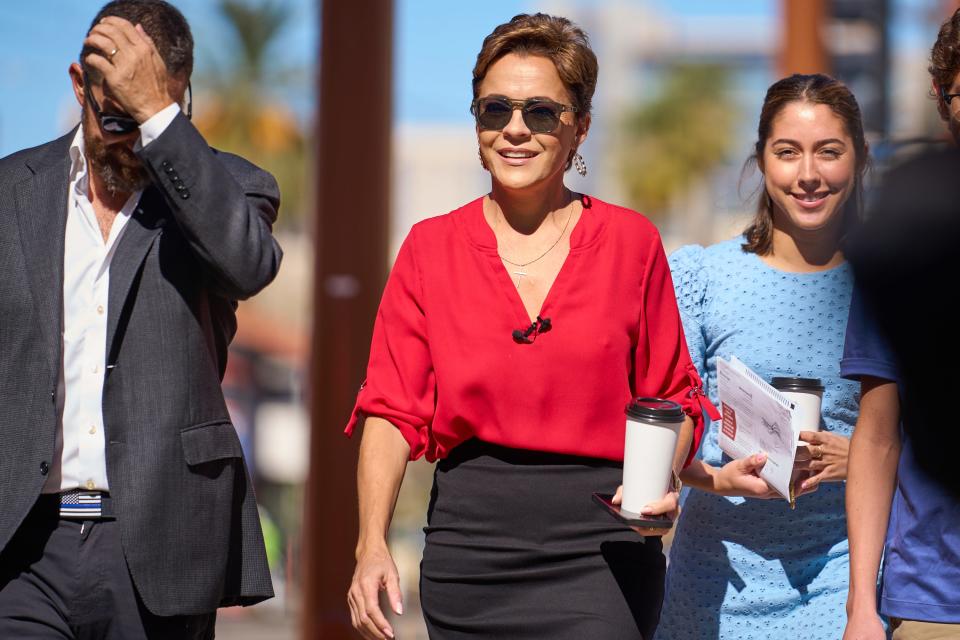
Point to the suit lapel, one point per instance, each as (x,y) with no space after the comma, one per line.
(143,228)
(41,204)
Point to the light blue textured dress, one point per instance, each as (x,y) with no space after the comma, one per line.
(745,568)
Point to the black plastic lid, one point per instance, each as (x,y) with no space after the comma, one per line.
(655,410)
(786,383)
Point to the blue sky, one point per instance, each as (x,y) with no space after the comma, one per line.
(436,44)
(37,103)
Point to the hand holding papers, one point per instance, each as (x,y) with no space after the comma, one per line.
(757,417)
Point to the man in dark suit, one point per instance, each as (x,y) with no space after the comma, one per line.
(127,511)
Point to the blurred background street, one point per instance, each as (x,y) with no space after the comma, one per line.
(680,88)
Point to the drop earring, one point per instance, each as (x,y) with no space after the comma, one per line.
(579,164)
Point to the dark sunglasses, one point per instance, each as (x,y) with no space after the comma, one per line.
(123,124)
(947,97)
(539,114)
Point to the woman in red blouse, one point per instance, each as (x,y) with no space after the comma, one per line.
(511,335)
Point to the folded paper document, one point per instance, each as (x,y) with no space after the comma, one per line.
(757,417)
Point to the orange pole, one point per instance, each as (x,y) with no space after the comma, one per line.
(804,50)
(353,204)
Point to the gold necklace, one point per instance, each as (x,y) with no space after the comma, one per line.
(521,272)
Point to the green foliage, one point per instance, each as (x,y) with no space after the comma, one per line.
(241,115)
(256,27)
(678,137)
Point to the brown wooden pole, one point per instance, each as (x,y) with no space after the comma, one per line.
(804,50)
(353,201)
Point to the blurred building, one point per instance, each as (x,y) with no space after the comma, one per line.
(435,170)
(638,43)
(264,390)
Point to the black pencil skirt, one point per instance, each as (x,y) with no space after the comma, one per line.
(516,548)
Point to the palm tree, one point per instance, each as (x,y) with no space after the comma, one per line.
(240,115)
(676,139)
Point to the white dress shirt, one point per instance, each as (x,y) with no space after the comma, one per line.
(80,457)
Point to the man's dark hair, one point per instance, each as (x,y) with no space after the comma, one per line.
(945,58)
(163,23)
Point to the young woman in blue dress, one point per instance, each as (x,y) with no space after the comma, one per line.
(777,298)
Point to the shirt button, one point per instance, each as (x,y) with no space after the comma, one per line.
(100,309)
(93,429)
(90,485)
(44,468)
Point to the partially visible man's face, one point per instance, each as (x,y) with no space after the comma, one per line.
(109,155)
(951,112)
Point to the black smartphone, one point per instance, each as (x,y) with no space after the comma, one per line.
(629,518)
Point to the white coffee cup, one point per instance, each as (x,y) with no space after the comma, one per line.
(807,396)
(653,426)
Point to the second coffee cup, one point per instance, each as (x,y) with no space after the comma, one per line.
(807,396)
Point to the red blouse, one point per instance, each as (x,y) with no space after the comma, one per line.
(444,365)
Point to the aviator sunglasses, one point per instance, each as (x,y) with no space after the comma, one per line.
(124,124)
(539,114)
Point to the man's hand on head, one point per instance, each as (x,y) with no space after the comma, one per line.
(131,67)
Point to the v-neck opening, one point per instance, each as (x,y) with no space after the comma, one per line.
(586,232)
(506,282)
(511,291)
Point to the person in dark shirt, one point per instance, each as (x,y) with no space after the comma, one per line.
(899,345)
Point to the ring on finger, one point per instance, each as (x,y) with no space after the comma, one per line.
(816,452)
(112,53)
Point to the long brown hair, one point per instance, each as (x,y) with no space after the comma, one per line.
(813,89)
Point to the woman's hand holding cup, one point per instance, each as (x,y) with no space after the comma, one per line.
(668,505)
(825,459)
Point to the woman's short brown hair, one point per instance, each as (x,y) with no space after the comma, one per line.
(812,89)
(561,41)
(945,58)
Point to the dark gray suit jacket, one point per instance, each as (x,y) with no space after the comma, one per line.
(199,240)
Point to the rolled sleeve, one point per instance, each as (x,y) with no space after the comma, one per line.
(400,386)
(662,365)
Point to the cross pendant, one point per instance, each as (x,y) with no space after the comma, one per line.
(519,273)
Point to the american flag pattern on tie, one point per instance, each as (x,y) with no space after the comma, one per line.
(81,505)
